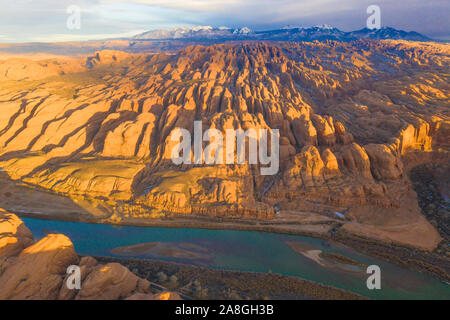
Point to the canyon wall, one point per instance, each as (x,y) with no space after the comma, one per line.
(353,118)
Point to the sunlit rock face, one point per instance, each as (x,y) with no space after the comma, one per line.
(38,270)
(352,118)
(14,235)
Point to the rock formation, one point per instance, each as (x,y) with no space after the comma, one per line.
(37,271)
(353,118)
(14,235)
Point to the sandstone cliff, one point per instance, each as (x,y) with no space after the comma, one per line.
(353,118)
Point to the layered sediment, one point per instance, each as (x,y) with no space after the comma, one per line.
(353,119)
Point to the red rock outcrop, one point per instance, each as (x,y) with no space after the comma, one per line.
(37,271)
(111,282)
(14,235)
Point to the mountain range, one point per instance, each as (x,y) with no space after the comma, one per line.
(320,33)
(173,40)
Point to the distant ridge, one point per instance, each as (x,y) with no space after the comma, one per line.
(388,33)
(320,32)
(173,40)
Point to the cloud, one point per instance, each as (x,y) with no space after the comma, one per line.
(27,20)
(345,14)
(296,8)
(190,5)
(82,37)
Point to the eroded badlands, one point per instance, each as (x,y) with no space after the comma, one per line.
(354,118)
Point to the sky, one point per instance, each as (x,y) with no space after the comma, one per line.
(46,20)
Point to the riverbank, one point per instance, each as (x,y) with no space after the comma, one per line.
(306,258)
(40,204)
(431,263)
(205,283)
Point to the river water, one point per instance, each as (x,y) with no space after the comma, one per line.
(246,251)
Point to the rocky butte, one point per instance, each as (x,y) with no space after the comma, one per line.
(353,119)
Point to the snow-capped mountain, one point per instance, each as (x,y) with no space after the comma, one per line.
(243,30)
(388,33)
(194,33)
(319,32)
(302,34)
(324,27)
